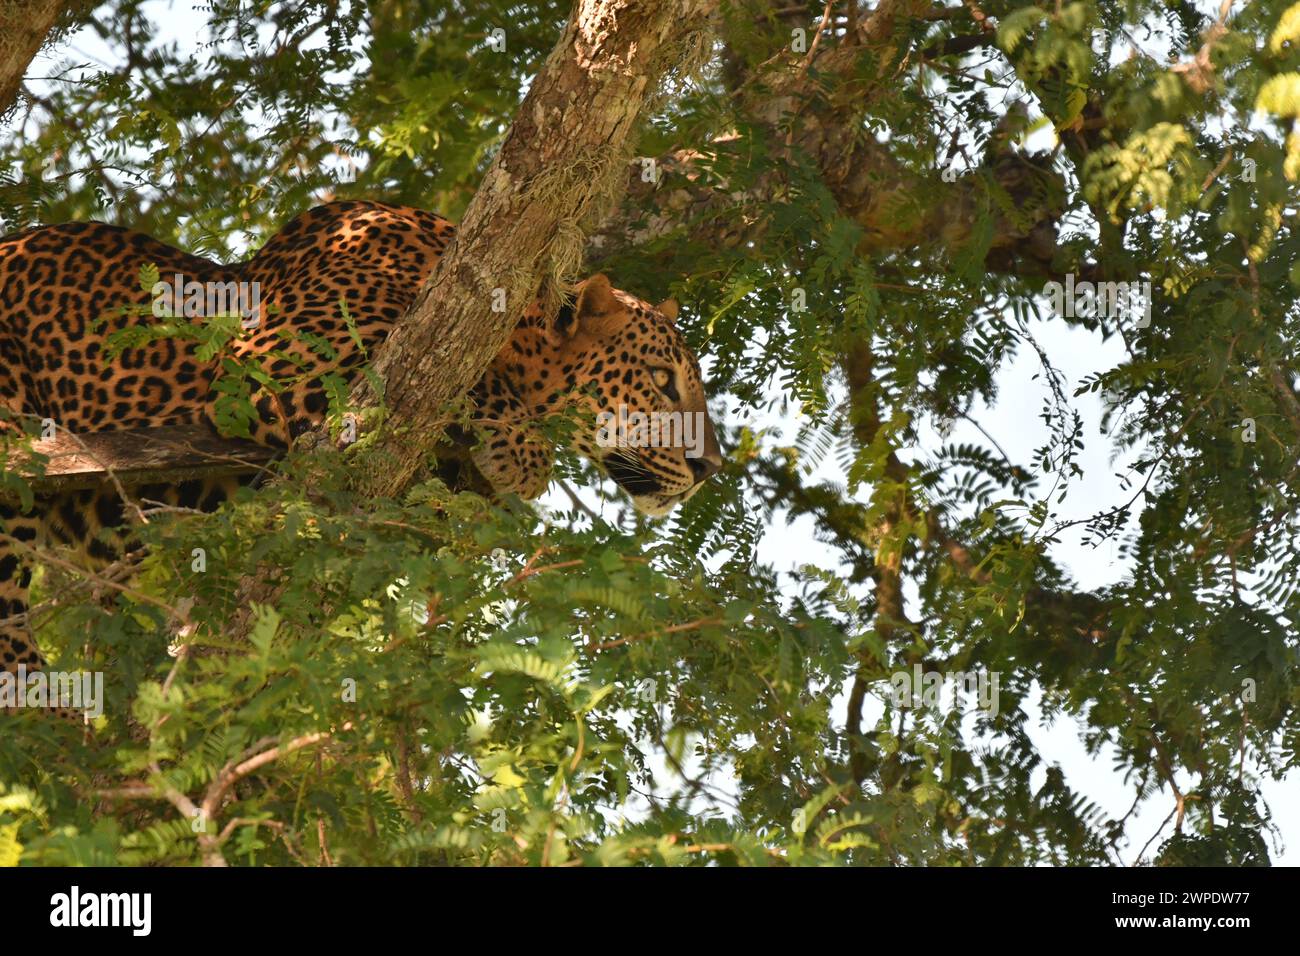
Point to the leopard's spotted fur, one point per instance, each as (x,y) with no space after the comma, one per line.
(55,281)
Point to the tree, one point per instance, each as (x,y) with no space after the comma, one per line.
(24,26)
(866,211)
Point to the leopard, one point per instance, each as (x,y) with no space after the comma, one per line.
(330,284)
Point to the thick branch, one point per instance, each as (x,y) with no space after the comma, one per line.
(134,457)
(24,27)
(891,617)
(557,171)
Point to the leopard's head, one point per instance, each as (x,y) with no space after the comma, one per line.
(624,363)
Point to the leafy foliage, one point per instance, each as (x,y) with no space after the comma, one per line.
(504,684)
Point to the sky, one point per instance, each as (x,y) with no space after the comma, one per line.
(1012,421)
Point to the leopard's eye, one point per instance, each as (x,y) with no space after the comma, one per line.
(663,379)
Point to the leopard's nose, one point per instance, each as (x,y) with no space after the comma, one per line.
(705,467)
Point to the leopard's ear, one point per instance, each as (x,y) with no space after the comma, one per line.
(596,298)
(596,310)
(669,309)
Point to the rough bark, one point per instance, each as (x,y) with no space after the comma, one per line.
(24,26)
(134,457)
(559,168)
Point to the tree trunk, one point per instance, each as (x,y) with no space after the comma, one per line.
(24,25)
(561,167)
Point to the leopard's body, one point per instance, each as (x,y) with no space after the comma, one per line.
(62,293)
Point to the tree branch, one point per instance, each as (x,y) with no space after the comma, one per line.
(897,205)
(558,170)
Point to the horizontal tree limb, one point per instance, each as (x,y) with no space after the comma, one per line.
(132,457)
